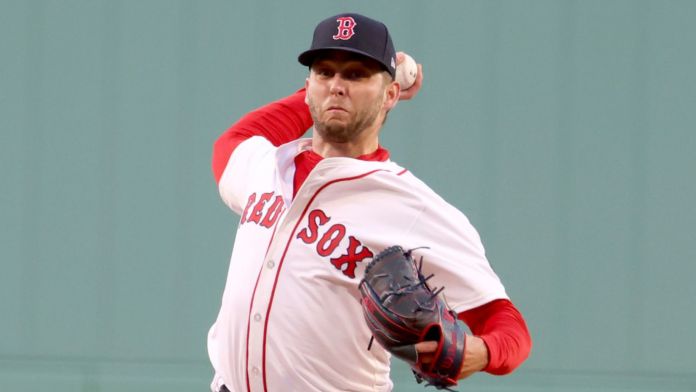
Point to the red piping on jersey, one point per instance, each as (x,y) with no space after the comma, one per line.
(251,304)
(282,259)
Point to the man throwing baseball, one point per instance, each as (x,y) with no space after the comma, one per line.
(315,212)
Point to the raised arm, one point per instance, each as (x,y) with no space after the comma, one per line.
(280,122)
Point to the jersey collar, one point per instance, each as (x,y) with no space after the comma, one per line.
(379,155)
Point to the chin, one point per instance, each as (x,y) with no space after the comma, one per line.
(333,132)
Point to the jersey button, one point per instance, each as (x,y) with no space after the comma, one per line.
(257,317)
(255,370)
(270,264)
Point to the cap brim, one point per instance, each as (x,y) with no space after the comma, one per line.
(307,57)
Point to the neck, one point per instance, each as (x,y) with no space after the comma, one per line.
(350,149)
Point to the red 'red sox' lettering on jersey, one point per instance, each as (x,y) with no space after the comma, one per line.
(327,240)
(259,212)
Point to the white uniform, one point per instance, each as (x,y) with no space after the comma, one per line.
(290,318)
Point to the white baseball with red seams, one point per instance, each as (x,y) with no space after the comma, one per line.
(290,318)
(406,72)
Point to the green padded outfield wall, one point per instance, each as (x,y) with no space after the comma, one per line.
(565,130)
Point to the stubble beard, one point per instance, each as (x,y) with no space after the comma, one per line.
(344,133)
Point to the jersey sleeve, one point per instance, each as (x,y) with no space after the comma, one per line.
(453,252)
(251,158)
(505,333)
(278,122)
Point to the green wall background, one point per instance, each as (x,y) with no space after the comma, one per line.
(563,129)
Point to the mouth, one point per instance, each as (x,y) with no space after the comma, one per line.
(335,108)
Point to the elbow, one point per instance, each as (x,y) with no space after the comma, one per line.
(223,148)
(219,160)
(508,357)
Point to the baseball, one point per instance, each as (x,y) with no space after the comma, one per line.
(406,72)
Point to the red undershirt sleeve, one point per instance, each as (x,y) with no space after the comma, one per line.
(504,331)
(280,122)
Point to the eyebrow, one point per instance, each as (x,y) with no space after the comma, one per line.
(348,63)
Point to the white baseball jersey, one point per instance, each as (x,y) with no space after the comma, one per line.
(291,318)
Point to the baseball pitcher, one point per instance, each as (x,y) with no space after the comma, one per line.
(343,258)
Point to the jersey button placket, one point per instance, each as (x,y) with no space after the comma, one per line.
(262,302)
(257,329)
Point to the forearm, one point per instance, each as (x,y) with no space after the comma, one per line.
(475,356)
(280,122)
(503,331)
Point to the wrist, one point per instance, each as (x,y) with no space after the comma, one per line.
(476,356)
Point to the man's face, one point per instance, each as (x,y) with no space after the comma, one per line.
(346,94)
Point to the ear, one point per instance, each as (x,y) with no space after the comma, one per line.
(306,86)
(391,95)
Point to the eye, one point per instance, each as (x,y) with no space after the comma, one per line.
(356,74)
(323,72)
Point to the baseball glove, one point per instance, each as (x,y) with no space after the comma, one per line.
(402,310)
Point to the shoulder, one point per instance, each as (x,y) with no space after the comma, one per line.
(251,161)
(436,211)
(417,187)
(403,186)
(250,156)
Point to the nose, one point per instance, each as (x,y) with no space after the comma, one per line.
(337,85)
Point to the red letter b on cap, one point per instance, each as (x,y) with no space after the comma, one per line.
(346,24)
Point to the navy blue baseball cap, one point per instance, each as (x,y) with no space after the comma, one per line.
(353,33)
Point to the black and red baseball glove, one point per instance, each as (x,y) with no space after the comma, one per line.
(402,310)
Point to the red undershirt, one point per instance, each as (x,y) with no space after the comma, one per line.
(498,322)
